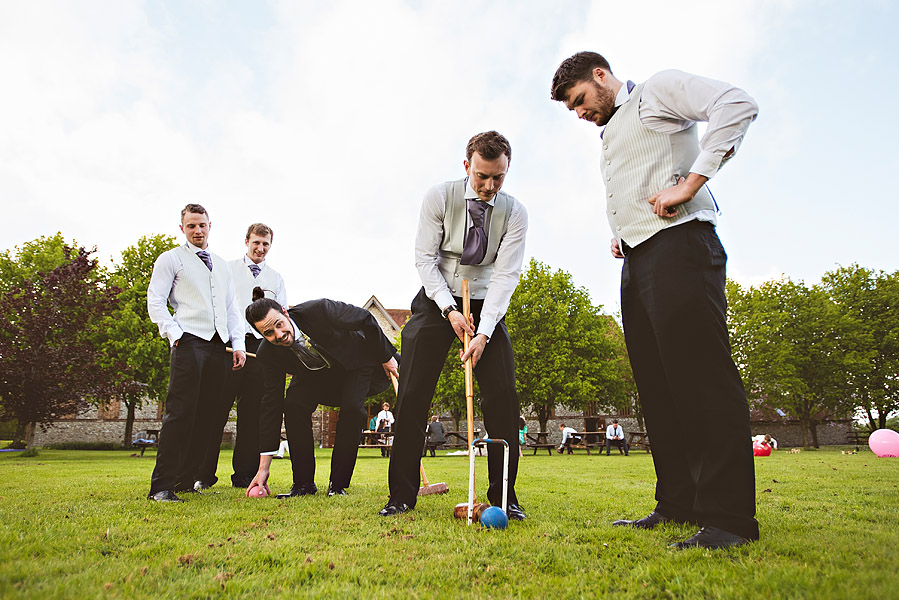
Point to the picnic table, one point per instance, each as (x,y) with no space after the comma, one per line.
(151,439)
(376,439)
(538,440)
(638,439)
(459,439)
(597,441)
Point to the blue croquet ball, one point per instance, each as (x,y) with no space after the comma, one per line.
(494,518)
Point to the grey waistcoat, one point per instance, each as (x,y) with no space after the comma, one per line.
(637,163)
(454,230)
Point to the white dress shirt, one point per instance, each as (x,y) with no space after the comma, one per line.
(167,270)
(244,282)
(384,415)
(506,268)
(673,101)
(614,431)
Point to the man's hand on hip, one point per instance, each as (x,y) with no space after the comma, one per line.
(664,203)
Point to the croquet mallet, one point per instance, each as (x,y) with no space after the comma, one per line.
(428,488)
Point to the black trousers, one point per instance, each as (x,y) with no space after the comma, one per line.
(332,387)
(197,371)
(427,337)
(247,382)
(674,312)
(622,446)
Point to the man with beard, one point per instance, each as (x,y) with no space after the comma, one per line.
(337,355)
(673,306)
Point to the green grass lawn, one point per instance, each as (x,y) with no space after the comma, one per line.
(76,524)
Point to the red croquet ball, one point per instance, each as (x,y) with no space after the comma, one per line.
(257,492)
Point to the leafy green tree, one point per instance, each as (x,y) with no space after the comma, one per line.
(872,300)
(131,349)
(48,363)
(793,347)
(567,352)
(37,256)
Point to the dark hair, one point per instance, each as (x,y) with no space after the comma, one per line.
(260,307)
(615,421)
(522,423)
(561,424)
(193,208)
(576,69)
(260,229)
(490,145)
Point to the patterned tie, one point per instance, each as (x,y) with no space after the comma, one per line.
(309,356)
(255,269)
(475,247)
(204,256)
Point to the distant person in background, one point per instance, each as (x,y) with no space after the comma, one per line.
(569,436)
(384,423)
(766,439)
(615,437)
(522,435)
(435,435)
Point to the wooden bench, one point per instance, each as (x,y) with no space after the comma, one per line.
(538,441)
(638,439)
(586,444)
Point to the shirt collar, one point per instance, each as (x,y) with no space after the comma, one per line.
(247,261)
(196,249)
(623,94)
(470,194)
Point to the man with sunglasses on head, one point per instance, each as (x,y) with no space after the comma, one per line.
(337,356)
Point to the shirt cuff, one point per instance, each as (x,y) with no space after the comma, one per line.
(174,334)
(272,453)
(706,164)
(239,344)
(443,299)
(486,326)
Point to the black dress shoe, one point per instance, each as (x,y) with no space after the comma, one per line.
(711,538)
(650,521)
(394,508)
(300,489)
(515,513)
(164,496)
(335,491)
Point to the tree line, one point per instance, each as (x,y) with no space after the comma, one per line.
(76,333)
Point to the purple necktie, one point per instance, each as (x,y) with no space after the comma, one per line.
(255,269)
(204,256)
(475,247)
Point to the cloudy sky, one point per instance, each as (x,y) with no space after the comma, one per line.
(329,120)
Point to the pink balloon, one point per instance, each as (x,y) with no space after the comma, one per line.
(884,442)
(760,449)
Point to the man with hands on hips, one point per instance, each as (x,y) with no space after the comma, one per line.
(673,307)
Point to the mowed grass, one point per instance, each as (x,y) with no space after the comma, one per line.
(76,524)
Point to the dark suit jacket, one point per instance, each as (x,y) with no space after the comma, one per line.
(348,336)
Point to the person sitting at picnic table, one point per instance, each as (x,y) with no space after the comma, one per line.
(615,437)
(766,440)
(385,423)
(434,436)
(569,436)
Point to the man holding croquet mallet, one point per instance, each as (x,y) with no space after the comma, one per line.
(673,306)
(199,288)
(468,230)
(337,355)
